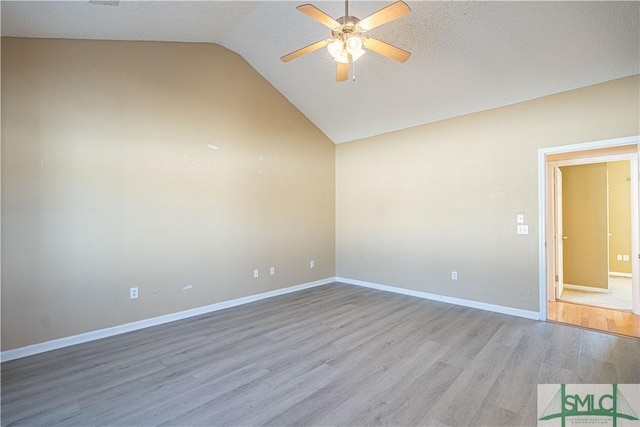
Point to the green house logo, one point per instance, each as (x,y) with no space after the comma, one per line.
(589,404)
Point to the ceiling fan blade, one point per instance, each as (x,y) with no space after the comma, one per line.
(386,49)
(342,72)
(393,11)
(307,49)
(315,13)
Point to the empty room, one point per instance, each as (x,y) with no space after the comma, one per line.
(242,213)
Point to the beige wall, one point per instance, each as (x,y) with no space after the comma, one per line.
(585,224)
(413,205)
(107,183)
(619,215)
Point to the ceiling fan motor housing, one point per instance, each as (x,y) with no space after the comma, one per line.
(348,26)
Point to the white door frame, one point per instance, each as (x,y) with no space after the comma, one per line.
(545,238)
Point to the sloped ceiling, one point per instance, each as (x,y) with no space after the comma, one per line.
(466,56)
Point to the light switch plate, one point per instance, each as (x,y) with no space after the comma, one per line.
(523,229)
(520,219)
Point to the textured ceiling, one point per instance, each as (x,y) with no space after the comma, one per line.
(466,56)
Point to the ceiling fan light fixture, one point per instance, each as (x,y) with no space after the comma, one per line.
(348,42)
(340,50)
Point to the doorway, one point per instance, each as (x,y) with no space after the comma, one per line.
(593,219)
(553,241)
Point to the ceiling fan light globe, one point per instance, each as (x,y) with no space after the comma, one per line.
(357,54)
(335,48)
(342,58)
(354,44)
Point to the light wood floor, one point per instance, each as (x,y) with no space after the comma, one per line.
(601,319)
(331,355)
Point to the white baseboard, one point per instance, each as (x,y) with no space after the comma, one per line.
(33,349)
(618,274)
(585,288)
(534,315)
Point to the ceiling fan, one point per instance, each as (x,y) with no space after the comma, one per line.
(348,40)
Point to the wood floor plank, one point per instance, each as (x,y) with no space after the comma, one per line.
(565,353)
(461,402)
(521,368)
(473,338)
(393,374)
(553,374)
(331,355)
(625,355)
(166,405)
(315,407)
(410,401)
(491,415)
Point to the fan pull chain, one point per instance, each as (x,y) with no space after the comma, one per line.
(353,68)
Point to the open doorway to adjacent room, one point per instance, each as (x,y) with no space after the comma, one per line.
(590,232)
(593,221)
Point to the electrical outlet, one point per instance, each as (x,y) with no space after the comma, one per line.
(256,273)
(625,257)
(312,264)
(272,271)
(133,293)
(454,275)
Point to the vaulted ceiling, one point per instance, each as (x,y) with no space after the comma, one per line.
(466,56)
